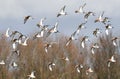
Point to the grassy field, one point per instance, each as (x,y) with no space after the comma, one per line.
(34,58)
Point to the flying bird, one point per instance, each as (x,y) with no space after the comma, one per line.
(71,38)
(53,30)
(80,27)
(62,12)
(111,60)
(89,70)
(114,41)
(78,67)
(32,75)
(96,32)
(26,18)
(50,66)
(40,24)
(80,10)
(84,39)
(100,18)
(7,33)
(108,27)
(2,62)
(94,46)
(87,14)
(25,42)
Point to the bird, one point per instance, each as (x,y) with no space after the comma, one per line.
(32,75)
(84,39)
(2,62)
(89,70)
(100,18)
(14,44)
(65,58)
(16,52)
(62,11)
(80,27)
(94,46)
(96,31)
(21,37)
(78,67)
(50,66)
(71,38)
(114,41)
(39,34)
(7,33)
(80,10)
(40,24)
(105,20)
(25,42)
(111,60)
(87,14)
(108,27)
(53,30)
(14,64)
(46,46)
(26,18)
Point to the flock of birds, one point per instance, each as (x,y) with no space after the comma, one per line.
(17,38)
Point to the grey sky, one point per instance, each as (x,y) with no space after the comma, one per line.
(12,13)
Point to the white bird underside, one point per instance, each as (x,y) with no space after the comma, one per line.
(83,44)
(2,62)
(114,43)
(7,33)
(107,31)
(32,75)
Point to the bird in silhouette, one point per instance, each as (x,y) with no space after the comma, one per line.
(26,18)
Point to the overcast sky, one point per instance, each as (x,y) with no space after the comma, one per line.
(12,13)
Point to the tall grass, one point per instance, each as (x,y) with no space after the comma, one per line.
(34,58)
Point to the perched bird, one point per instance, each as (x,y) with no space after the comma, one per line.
(108,27)
(80,10)
(32,75)
(80,27)
(72,37)
(26,18)
(100,18)
(87,14)
(89,70)
(50,66)
(62,12)
(2,62)
(96,32)
(111,60)
(84,39)
(114,41)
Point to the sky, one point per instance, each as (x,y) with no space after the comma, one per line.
(12,13)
